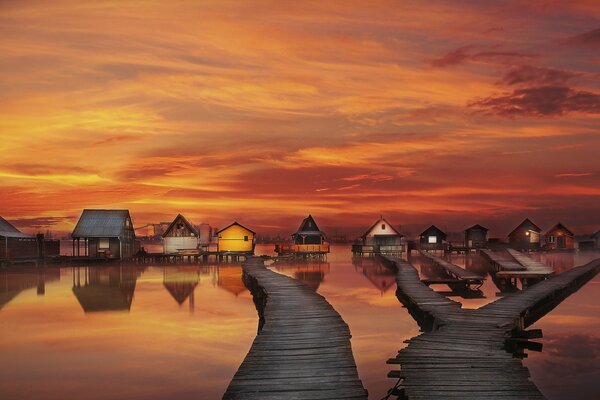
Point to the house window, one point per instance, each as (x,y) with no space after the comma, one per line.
(104,243)
(245,238)
(382,227)
(432,239)
(552,239)
(126,222)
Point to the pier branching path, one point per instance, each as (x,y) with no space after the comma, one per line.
(302,350)
(461,354)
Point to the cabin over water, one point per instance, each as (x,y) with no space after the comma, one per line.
(433,238)
(308,241)
(180,235)
(380,238)
(476,237)
(107,234)
(236,238)
(526,236)
(559,237)
(16,246)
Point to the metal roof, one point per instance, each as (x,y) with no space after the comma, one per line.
(8,230)
(101,223)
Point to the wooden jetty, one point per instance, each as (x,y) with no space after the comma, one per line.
(460,278)
(462,353)
(513,266)
(189,257)
(302,350)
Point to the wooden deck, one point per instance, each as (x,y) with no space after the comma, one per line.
(459,276)
(302,350)
(513,266)
(462,354)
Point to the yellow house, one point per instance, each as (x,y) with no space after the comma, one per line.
(236,238)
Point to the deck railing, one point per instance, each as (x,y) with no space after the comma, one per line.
(302,248)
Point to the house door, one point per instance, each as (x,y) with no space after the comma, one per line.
(560,242)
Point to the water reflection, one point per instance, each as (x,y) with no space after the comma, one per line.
(105,288)
(181,282)
(381,277)
(309,272)
(15,280)
(229,278)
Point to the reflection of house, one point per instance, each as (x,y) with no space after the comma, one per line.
(476,237)
(180,235)
(181,282)
(106,234)
(381,277)
(236,238)
(309,273)
(104,289)
(230,279)
(15,244)
(307,240)
(559,237)
(380,238)
(432,238)
(525,236)
(14,281)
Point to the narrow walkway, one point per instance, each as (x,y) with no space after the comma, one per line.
(531,266)
(302,350)
(462,353)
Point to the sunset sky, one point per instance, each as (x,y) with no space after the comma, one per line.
(446,113)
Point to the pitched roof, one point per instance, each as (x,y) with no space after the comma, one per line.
(595,234)
(8,230)
(101,223)
(190,226)
(380,220)
(560,226)
(235,223)
(308,227)
(433,230)
(526,224)
(477,227)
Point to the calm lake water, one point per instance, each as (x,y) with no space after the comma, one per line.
(159,332)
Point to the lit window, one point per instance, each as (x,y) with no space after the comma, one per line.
(104,243)
(382,226)
(432,239)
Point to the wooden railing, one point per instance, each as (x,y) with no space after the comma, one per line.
(302,248)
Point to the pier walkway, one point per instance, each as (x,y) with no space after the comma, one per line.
(302,350)
(459,276)
(462,353)
(511,266)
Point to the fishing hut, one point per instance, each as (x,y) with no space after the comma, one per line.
(559,237)
(180,235)
(526,236)
(19,247)
(433,239)
(476,237)
(235,241)
(307,242)
(106,234)
(380,238)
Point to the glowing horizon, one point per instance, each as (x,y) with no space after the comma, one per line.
(446,113)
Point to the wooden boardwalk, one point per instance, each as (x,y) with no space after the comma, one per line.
(460,276)
(513,266)
(302,350)
(462,354)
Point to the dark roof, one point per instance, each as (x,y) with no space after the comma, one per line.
(477,227)
(235,223)
(560,226)
(433,230)
(8,230)
(381,219)
(308,227)
(526,224)
(595,234)
(185,221)
(101,223)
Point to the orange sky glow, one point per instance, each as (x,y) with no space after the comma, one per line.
(446,113)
